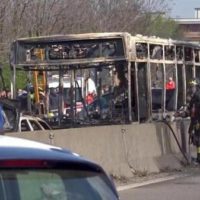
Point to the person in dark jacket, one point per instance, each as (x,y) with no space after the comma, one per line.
(53,99)
(194,113)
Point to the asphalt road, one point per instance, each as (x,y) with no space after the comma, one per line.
(184,188)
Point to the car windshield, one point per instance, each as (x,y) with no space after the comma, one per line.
(54,185)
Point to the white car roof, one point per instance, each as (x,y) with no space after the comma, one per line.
(29,117)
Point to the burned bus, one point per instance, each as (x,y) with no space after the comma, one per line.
(158,61)
(124,77)
(101,59)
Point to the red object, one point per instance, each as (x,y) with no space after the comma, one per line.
(89,98)
(170,85)
(23,163)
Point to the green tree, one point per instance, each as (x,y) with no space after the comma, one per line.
(21,79)
(24,18)
(164,27)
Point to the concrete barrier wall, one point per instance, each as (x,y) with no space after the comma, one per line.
(121,149)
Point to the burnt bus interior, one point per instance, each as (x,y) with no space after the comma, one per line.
(96,91)
(106,79)
(162,60)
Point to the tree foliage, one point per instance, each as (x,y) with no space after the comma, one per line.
(163,27)
(24,18)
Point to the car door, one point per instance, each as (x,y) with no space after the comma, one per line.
(24,126)
(44,125)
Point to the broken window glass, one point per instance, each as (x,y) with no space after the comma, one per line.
(197,71)
(141,50)
(33,51)
(169,53)
(197,55)
(188,54)
(179,52)
(156,52)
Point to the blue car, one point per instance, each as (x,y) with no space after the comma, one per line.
(32,170)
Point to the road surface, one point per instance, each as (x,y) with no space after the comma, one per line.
(183,188)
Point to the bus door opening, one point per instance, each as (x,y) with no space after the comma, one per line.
(143,113)
(157,78)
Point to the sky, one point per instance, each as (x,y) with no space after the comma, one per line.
(184,8)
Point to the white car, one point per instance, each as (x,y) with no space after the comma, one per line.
(31,123)
(14,121)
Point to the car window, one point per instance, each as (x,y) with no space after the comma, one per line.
(35,125)
(56,185)
(44,125)
(25,126)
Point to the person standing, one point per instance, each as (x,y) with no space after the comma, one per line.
(170,94)
(194,113)
(170,85)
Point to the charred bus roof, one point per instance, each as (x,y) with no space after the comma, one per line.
(69,50)
(84,36)
(164,41)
